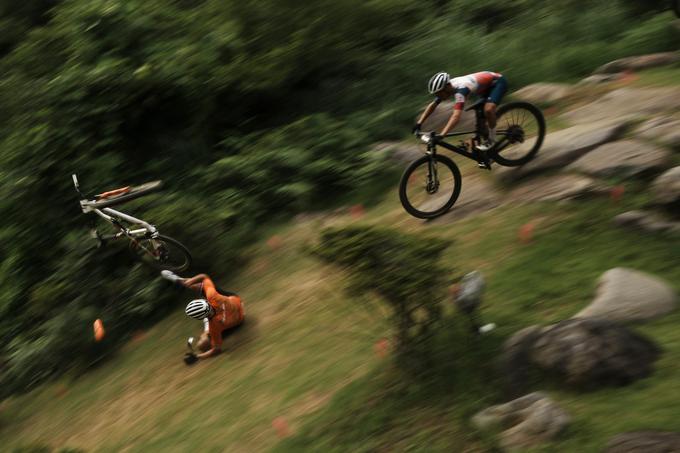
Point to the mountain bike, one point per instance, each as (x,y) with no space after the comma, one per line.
(431,185)
(145,242)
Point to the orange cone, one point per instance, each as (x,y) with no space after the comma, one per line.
(99,331)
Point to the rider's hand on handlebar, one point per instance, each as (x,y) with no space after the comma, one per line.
(416,129)
(430,137)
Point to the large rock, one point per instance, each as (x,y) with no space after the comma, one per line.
(664,130)
(582,352)
(563,147)
(666,190)
(647,221)
(440,117)
(402,153)
(644,442)
(477,195)
(591,352)
(639,62)
(626,102)
(556,188)
(541,93)
(628,295)
(624,158)
(600,78)
(527,421)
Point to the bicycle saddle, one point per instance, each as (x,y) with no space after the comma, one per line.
(118,196)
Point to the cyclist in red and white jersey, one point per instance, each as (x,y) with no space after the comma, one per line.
(487,84)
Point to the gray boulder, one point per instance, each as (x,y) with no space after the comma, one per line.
(624,158)
(563,147)
(644,442)
(647,221)
(400,152)
(541,93)
(527,421)
(600,78)
(626,102)
(666,190)
(627,295)
(478,195)
(557,188)
(440,117)
(639,62)
(664,130)
(582,352)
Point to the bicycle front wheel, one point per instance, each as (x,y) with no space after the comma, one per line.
(162,253)
(520,129)
(430,186)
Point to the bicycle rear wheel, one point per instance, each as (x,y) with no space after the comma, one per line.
(430,186)
(162,253)
(520,132)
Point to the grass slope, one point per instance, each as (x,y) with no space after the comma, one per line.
(307,352)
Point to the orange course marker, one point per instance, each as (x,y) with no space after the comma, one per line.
(617,192)
(281,426)
(526,233)
(357,211)
(382,347)
(99,331)
(275,242)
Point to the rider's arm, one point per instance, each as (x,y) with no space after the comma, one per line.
(428,111)
(195,281)
(455,117)
(209,353)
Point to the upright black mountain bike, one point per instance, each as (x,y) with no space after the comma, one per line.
(430,186)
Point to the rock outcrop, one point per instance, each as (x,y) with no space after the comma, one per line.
(628,295)
(527,421)
(586,353)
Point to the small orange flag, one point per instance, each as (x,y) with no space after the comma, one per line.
(617,192)
(281,426)
(357,211)
(526,233)
(99,331)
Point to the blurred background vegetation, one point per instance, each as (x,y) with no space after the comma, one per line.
(249,111)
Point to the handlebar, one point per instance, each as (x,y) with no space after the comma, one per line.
(427,137)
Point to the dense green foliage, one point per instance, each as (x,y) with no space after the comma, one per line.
(248,111)
(403,270)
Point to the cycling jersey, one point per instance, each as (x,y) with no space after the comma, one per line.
(228,312)
(479,83)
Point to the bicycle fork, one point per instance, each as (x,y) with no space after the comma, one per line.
(432,183)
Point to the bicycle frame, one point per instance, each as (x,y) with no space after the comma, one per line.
(462,149)
(112,216)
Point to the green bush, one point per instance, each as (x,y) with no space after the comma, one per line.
(404,270)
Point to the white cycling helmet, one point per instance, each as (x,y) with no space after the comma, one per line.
(438,81)
(198,308)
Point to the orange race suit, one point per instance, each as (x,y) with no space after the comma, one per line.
(228,309)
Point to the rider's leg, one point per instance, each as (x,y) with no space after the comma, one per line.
(495,97)
(490,113)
